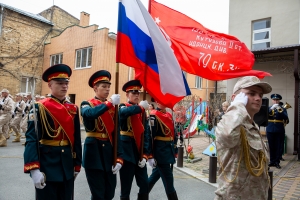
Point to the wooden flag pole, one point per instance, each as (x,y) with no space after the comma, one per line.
(116,118)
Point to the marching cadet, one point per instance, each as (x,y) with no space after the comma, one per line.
(164,149)
(275,130)
(37,97)
(6,105)
(98,119)
(18,115)
(7,127)
(131,130)
(29,106)
(53,152)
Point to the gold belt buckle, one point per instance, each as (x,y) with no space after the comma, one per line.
(103,135)
(61,141)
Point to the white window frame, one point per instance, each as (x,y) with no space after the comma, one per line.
(260,31)
(60,57)
(28,86)
(87,56)
(198,82)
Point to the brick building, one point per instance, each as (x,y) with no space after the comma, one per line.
(22,39)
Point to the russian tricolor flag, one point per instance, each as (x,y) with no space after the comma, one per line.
(141,45)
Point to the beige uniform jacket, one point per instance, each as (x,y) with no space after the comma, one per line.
(7,106)
(19,107)
(235,181)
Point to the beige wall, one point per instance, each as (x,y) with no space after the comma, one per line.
(284,19)
(21,49)
(203,92)
(284,31)
(103,57)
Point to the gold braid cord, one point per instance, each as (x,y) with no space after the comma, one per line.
(162,125)
(46,124)
(253,170)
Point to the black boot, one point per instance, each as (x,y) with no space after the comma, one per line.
(172,196)
(143,196)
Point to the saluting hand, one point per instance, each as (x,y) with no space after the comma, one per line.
(241,98)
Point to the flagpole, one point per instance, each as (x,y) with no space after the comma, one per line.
(144,98)
(116,117)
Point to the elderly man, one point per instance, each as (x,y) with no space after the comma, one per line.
(6,106)
(243,156)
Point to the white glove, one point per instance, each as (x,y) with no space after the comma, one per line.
(144,104)
(115,99)
(23,113)
(142,163)
(152,162)
(241,98)
(38,178)
(28,105)
(117,168)
(12,112)
(1,103)
(274,106)
(75,175)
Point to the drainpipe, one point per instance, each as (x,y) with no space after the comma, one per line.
(296,104)
(1,17)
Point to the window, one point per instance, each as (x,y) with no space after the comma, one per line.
(83,58)
(56,59)
(261,36)
(198,82)
(27,84)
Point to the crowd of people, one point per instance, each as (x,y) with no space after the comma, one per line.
(137,134)
(14,115)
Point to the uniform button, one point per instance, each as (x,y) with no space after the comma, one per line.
(62,150)
(103,145)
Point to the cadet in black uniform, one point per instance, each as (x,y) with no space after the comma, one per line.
(53,159)
(131,131)
(98,118)
(164,152)
(275,130)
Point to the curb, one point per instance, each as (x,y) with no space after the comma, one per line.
(194,174)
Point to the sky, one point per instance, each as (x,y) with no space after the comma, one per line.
(212,14)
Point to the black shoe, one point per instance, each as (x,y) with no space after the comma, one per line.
(143,196)
(272,164)
(278,166)
(172,196)
(282,159)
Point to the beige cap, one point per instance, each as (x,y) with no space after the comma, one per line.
(248,81)
(37,96)
(19,94)
(225,103)
(5,90)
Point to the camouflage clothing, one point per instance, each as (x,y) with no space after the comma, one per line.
(235,181)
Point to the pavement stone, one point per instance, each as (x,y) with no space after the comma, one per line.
(286,181)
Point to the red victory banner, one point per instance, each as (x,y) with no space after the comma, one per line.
(203,52)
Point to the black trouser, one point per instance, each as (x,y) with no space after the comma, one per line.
(275,143)
(127,172)
(165,171)
(102,184)
(56,190)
